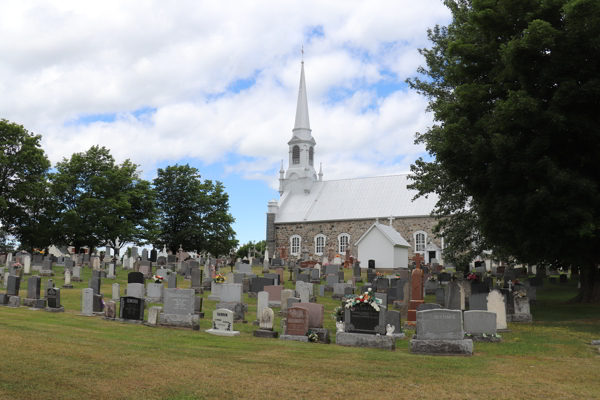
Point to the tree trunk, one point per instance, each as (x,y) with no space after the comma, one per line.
(590,284)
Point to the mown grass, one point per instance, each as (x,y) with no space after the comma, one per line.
(67,356)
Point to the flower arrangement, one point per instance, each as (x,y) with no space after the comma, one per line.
(432,278)
(17,265)
(379,273)
(158,279)
(219,279)
(338,314)
(474,278)
(519,294)
(312,337)
(366,298)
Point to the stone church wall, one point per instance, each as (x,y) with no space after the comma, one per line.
(355,228)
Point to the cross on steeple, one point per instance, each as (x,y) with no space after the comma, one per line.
(391,219)
(302,53)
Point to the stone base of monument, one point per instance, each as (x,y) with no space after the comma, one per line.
(108,318)
(261,333)
(183,321)
(14,301)
(110,277)
(34,303)
(527,318)
(295,338)
(67,286)
(51,309)
(488,339)
(503,330)
(381,342)
(442,347)
(46,272)
(253,295)
(129,321)
(219,332)
(273,304)
(76,279)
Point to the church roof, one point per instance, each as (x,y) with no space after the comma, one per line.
(360,198)
(389,232)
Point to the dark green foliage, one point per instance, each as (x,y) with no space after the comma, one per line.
(515,90)
(192,213)
(248,249)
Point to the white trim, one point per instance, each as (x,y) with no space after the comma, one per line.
(320,235)
(423,244)
(292,245)
(347,235)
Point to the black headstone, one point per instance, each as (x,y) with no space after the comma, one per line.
(371,263)
(563,279)
(14,285)
(53,298)
(258,284)
(445,277)
(97,304)
(363,319)
(153,254)
(537,281)
(95,284)
(481,287)
(135,277)
(132,308)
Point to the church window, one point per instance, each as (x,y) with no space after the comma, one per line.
(319,244)
(295,245)
(295,155)
(343,240)
(311,154)
(420,239)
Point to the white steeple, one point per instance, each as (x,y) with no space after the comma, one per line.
(301,172)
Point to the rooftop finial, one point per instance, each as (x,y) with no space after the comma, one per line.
(302,54)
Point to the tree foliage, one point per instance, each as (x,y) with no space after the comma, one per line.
(24,198)
(515,91)
(193,213)
(248,249)
(101,201)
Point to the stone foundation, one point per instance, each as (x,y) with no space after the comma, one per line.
(442,347)
(381,342)
(265,334)
(295,338)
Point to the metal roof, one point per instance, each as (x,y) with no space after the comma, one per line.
(360,198)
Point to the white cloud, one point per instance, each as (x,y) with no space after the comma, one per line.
(66,59)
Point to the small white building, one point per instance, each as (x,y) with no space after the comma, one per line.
(383,244)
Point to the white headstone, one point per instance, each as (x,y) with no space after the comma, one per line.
(116,291)
(496,304)
(266,319)
(26,265)
(67,277)
(87,301)
(222,323)
(262,303)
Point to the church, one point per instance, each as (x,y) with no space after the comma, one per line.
(314,217)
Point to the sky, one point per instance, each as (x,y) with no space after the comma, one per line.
(214,85)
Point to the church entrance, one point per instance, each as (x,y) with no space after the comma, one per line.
(431,256)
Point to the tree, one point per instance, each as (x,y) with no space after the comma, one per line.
(23,171)
(514,87)
(192,213)
(248,249)
(101,201)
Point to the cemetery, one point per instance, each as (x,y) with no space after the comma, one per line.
(225,339)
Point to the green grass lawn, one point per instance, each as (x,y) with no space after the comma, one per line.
(67,356)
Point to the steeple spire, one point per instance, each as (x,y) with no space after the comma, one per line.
(321,172)
(302,121)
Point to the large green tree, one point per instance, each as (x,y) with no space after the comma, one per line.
(248,249)
(514,86)
(23,185)
(193,213)
(102,201)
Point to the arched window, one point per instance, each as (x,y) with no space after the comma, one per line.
(343,241)
(319,244)
(420,240)
(295,242)
(311,155)
(295,155)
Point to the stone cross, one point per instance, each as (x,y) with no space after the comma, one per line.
(510,285)
(417,259)
(391,219)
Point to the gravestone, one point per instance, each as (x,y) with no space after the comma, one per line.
(316,314)
(154,293)
(87,302)
(222,323)
(179,308)
(285,295)
(136,290)
(116,292)
(14,285)
(496,304)
(261,303)
(33,300)
(453,296)
(478,301)
(365,319)
(440,296)
(135,277)
(53,300)
(478,323)
(440,332)
(274,295)
(266,325)
(258,284)
(131,308)
(304,291)
(296,325)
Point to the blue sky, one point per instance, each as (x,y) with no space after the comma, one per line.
(215,85)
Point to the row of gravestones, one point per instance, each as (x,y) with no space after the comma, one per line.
(51,301)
